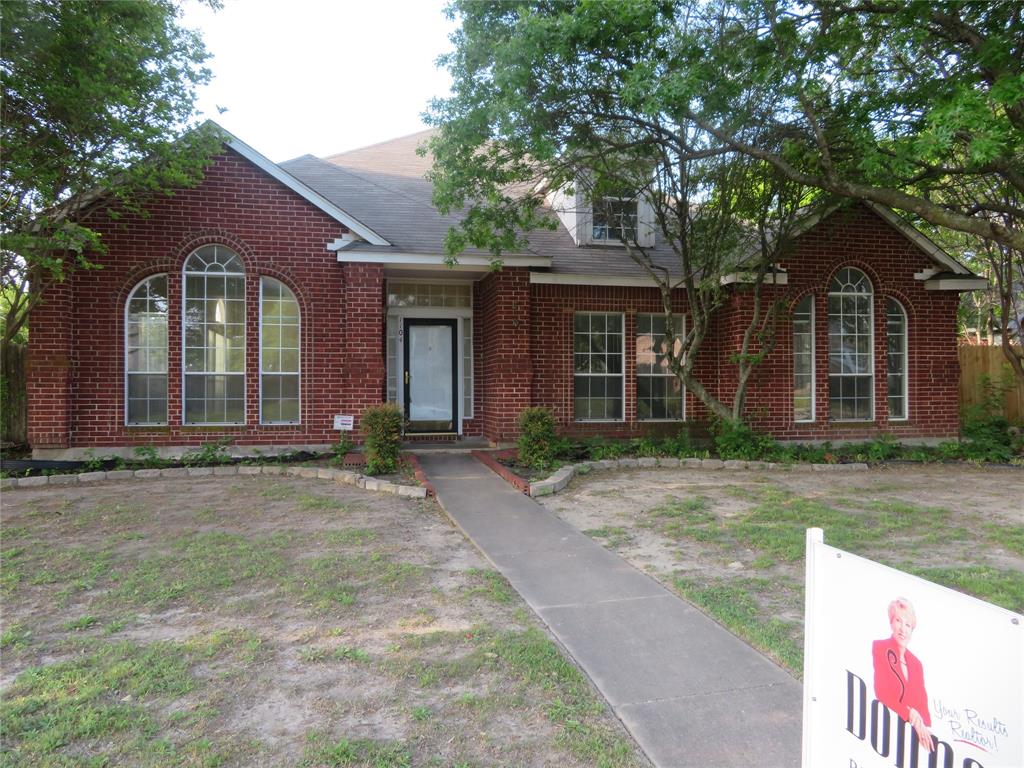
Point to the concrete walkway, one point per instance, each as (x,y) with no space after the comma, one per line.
(690,692)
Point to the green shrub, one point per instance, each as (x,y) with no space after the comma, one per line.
(341,449)
(646,446)
(678,445)
(598,449)
(149,458)
(738,441)
(987,433)
(208,454)
(382,431)
(538,444)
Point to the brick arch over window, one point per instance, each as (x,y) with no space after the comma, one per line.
(196,240)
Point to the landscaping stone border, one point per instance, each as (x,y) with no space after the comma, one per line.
(561,478)
(341,476)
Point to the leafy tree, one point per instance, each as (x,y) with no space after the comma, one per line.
(918,106)
(94,94)
(552,97)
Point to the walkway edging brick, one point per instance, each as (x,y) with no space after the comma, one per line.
(561,478)
(340,476)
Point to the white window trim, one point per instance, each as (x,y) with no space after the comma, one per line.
(602,375)
(871,347)
(814,367)
(167,365)
(682,395)
(296,373)
(245,347)
(906,360)
(591,240)
(430,313)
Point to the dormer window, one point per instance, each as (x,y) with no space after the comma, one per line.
(614,220)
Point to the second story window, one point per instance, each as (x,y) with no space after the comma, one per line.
(615,220)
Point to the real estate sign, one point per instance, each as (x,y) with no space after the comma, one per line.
(902,672)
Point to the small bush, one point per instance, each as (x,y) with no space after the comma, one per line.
(738,441)
(149,458)
(382,429)
(341,449)
(538,444)
(642,447)
(987,433)
(208,454)
(599,449)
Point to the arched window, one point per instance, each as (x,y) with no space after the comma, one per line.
(851,367)
(145,353)
(214,331)
(896,333)
(279,353)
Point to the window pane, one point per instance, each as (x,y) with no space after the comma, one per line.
(659,391)
(850,362)
(279,348)
(146,352)
(214,336)
(896,364)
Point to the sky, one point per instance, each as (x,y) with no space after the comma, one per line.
(321,76)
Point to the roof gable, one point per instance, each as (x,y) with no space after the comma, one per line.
(301,189)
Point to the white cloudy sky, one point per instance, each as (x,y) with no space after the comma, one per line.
(321,76)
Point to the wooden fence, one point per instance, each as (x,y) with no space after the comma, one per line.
(977,362)
(13,403)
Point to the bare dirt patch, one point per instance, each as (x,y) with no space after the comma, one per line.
(732,541)
(274,621)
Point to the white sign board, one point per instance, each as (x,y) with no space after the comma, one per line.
(900,672)
(343,423)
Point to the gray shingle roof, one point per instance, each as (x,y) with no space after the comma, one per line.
(383,186)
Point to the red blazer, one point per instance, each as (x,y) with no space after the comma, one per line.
(897,692)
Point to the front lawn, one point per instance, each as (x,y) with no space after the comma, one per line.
(732,542)
(273,621)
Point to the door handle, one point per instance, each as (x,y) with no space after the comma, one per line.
(406,377)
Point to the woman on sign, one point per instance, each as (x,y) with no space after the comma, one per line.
(899,676)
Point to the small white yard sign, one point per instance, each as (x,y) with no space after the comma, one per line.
(901,672)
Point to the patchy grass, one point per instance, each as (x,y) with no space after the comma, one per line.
(101,700)
(323,752)
(734,544)
(252,624)
(735,608)
(489,584)
(615,536)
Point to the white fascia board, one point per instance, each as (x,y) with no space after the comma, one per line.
(956,284)
(779,277)
(562,278)
(431,259)
(321,202)
(919,239)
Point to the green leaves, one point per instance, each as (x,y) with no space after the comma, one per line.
(94,98)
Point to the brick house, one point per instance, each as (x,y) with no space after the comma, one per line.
(266,301)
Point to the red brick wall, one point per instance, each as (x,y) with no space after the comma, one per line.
(364,340)
(276,233)
(551,328)
(522,332)
(50,369)
(856,237)
(505,372)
